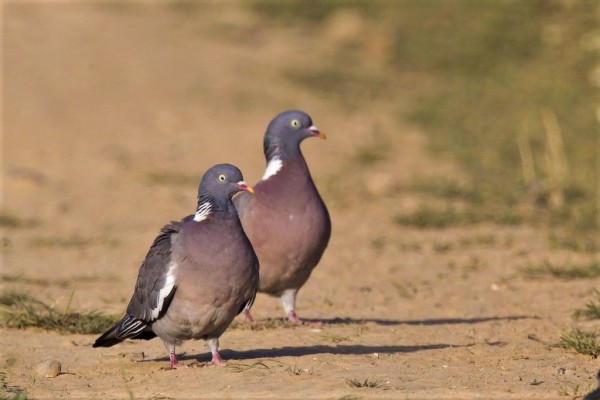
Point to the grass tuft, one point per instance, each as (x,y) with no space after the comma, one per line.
(334,338)
(12,221)
(580,341)
(296,370)
(588,270)
(570,390)
(10,392)
(591,310)
(432,218)
(21,310)
(406,290)
(364,384)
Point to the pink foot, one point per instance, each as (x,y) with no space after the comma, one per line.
(247,315)
(216,360)
(292,317)
(174,363)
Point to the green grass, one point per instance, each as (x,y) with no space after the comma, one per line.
(9,220)
(427,217)
(44,282)
(585,243)
(570,390)
(481,91)
(334,338)
(443,188)
(581,341)
(406,290)
(591,310)
(21,310)
(588,270)
(8,392)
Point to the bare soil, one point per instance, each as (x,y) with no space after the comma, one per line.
(111,115)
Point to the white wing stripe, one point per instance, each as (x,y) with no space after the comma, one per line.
(164,292)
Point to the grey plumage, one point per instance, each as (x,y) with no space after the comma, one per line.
(286,220)
(198,275)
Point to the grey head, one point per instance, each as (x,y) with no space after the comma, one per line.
(217,187)
(285,133)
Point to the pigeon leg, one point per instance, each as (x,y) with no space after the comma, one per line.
(213,345)
(288,300)
(174,363)
(247,315)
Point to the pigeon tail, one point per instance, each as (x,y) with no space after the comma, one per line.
(127,328)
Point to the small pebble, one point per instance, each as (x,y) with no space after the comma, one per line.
(49,369)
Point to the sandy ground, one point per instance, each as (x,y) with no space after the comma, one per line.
(112,114)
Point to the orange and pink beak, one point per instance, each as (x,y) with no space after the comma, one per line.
(316,132)
(245,187)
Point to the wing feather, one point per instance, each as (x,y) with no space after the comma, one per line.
(155,286)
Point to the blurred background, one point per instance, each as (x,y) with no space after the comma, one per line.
(461,172)
(438,113)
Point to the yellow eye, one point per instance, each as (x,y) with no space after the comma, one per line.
(295,123)
(222,177)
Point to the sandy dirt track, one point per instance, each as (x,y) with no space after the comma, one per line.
(112,114)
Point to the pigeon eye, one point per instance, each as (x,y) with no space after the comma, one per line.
(295,123)
(222,177)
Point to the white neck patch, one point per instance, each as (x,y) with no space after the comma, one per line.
(273,166)
(203,211)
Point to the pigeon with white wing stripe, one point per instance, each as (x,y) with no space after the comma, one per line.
(198,275)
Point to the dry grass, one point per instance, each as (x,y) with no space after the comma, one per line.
(588,270)
(591,310)
(13,221)
(581,341)
(428,217)
(9,392)
(21,310)
(373,383)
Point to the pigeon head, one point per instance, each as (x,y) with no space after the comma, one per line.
(285,133)
(217,187)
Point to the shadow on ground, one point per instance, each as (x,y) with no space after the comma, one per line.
(433,321)
(228,354)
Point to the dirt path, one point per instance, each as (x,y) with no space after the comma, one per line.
(113,113)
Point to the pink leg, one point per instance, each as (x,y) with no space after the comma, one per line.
(288,300)
(213,345)
(174,363)
(247,315)
(292,317)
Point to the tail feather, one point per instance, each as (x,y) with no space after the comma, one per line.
(127,328)
(108,338)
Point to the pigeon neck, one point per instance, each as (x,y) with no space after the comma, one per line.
(278,149)
(203,211)
(208,205)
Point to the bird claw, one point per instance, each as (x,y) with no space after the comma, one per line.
(293,318)
(248,316)
(216,360)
